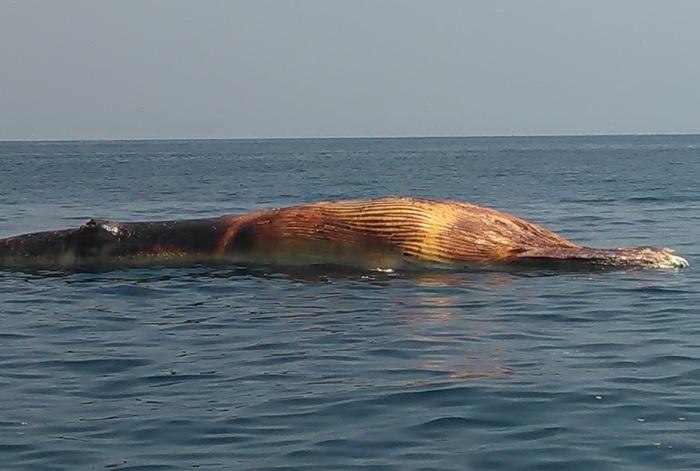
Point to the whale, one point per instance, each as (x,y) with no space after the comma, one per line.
(384,234)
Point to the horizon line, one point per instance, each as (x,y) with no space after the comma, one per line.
(280,138)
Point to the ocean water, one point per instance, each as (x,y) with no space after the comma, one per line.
(238,368)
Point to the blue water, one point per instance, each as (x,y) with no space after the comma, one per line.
(232,368)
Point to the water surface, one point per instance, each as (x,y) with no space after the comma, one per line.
(235,368)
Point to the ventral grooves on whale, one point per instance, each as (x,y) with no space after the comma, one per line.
(391,232)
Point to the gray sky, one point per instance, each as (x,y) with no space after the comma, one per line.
(175,69)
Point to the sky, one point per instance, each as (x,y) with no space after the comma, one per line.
(326,68)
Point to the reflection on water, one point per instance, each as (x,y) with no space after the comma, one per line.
(471,368)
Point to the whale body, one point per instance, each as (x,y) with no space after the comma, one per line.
(385,233)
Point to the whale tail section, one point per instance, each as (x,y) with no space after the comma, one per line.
(624,257)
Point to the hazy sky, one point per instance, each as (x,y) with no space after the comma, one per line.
(168,69)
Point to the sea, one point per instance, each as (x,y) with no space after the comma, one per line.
(258,368)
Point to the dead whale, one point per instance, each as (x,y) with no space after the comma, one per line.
(385,233)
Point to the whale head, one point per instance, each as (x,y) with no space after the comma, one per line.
(86,244)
